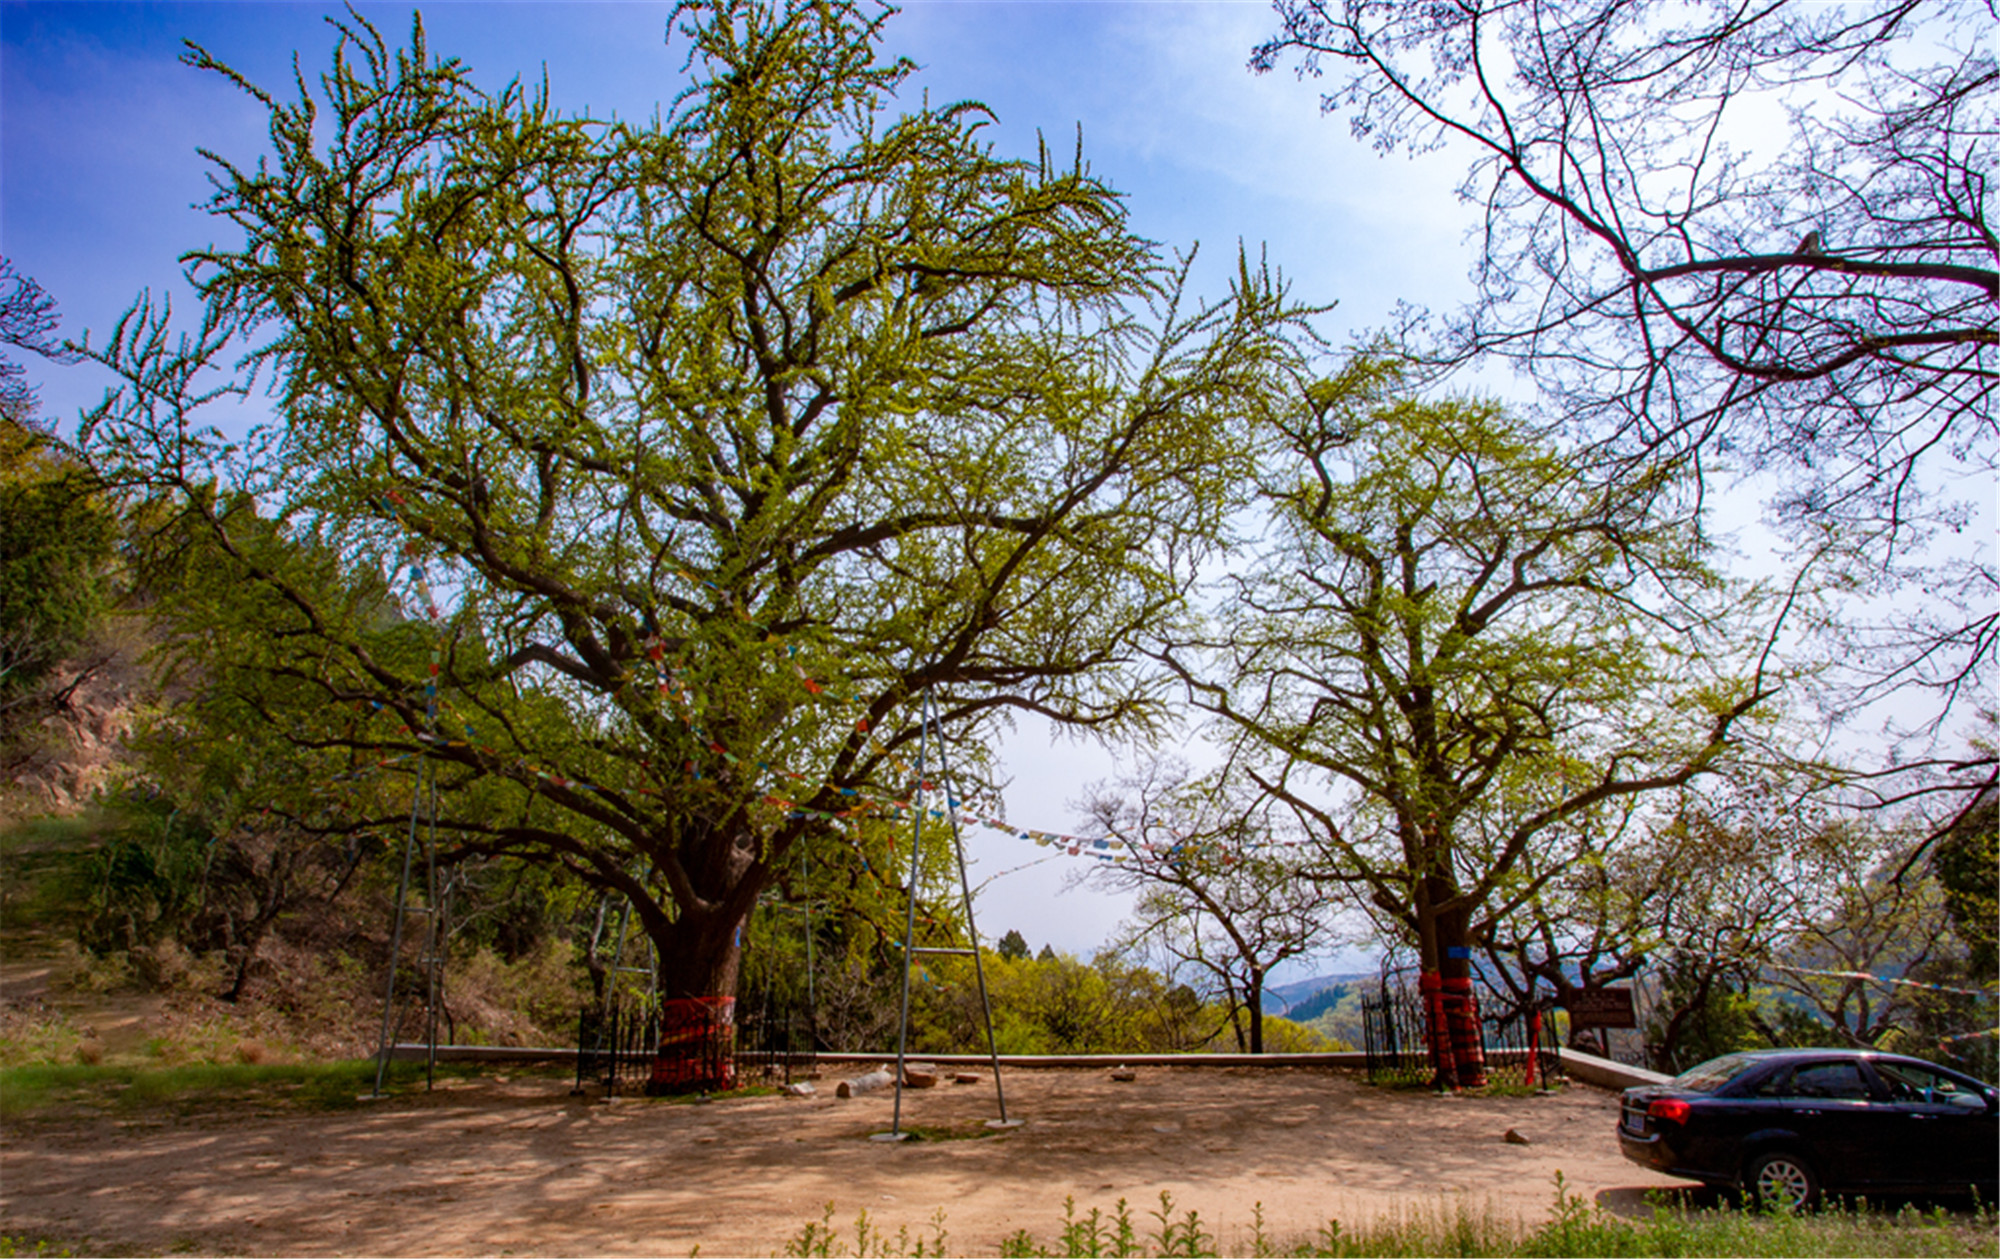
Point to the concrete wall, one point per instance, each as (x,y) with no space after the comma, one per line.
(1582,1067)
(1605,1073)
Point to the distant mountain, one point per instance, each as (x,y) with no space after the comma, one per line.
(1284,998)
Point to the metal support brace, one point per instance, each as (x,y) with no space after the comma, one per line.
(912,950)
(435,913)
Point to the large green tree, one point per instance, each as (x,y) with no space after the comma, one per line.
(1458,648)
(708,445)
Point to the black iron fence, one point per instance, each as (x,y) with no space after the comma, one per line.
(776,1040)
(1520,1047)
(616,1047)
(760,1039)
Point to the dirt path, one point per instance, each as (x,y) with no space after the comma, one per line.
(120,1023)
(496,1166)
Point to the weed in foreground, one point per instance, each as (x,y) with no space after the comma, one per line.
(1574,1227)
(819,1239)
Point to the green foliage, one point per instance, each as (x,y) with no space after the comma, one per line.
(1062,1005)
(1322,1002)
(1289,1036)
(1222,900)
(1055,1006)
(1967,863)
(1117,1234)
(1013,946)
(531,998)
(56,540)
(820,1238)
(1789,1027)
(1342,1024)
(1577,1227)
(40,1042)
(143,880)
(1958,1027)
(1716,1014)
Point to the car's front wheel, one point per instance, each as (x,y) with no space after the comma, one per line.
(1781,1181)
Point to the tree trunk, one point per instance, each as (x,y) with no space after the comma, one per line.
(1666,1053)
(701,956)
(1451,1011)
(275,896)
(1235,1014)
(1461,1004)
(1255,1003)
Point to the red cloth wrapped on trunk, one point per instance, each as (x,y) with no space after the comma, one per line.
(697,1051)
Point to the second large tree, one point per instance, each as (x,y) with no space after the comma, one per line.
(1459,648)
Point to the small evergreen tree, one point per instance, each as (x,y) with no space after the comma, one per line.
(1013,946)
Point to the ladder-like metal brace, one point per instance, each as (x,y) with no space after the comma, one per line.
(434,911)
(911,949)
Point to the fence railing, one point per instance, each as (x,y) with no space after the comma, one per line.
(776,1040)
(760,1039)
(615,1047)
(1519,1049)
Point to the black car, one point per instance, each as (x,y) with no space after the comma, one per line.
(1784,1124)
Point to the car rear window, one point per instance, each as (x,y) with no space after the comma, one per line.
(1714,1073)
(1840,1080)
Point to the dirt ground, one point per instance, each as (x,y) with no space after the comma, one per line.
(514,1165)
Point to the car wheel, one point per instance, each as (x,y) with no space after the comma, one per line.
(1781,1181)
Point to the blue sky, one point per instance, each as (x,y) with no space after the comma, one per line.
(99,174)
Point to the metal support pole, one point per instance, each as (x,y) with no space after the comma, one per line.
(910,918)
(910,948)
(812,998)
(396,936)
(971,928)
(434,950)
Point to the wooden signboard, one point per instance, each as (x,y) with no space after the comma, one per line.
(1606,1007)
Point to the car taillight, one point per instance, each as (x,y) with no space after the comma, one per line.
(1672,1108)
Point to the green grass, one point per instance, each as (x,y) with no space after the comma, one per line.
(49,834)
(35,857)
(190,1088)
(1573,1227)
(43,1090)
(970,1130)
(723,1095)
